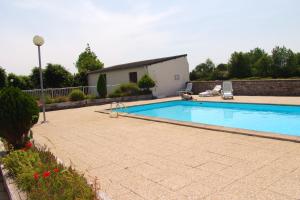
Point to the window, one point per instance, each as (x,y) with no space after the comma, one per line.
(133,77)
(177,77)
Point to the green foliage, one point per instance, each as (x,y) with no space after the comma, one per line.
(239,65)
(21,82)
(18,113)
(126,89)
(263,67)
(282,63)
(146,82)
(27,168)
(3,78)
(91,97)
(80,79)
(203,71)
(76,95)
(88,61)
(101,86)
(35,77)
(56,76)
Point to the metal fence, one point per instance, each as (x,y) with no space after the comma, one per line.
(59,92)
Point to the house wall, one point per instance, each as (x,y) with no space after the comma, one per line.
(273,87)
(164,75)
(114,78)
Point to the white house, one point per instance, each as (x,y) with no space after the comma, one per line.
(169,73)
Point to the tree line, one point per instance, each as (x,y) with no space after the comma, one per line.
(257,63)
(54,75)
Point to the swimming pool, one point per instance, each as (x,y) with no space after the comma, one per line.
(281,119)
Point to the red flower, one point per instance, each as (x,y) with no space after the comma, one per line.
(56,170)
(28,145)
(36,176)
(46,174)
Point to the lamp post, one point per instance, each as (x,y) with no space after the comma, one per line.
(39,41)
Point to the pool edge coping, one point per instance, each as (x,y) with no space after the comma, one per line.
(269,135)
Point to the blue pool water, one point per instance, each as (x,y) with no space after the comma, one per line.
(260,117)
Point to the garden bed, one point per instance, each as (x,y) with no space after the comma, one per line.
(92,102)
(34,173)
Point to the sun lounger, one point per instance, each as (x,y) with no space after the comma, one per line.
(213,92)
(227,90)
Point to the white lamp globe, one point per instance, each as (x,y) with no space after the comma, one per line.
(38,40)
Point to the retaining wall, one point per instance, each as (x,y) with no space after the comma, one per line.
(272,87)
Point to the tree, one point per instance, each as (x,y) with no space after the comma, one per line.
(222,67)
(35,77)
(101,86)
(80,79)
(3,78)
(239,65)
(256,54)
(56,76)
(88,61)
(203,71)
(21,82)
(264,66)
(284,62)
(145,83)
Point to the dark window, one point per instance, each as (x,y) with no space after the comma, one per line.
(133,77)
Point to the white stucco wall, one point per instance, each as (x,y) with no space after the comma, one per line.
(164,75)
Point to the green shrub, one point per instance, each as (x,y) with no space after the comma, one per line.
(18,113)
(37,173)
(76,95)
(145,83)
(48,99)
(126,89)
(101,86)
(60,99)
(91,96)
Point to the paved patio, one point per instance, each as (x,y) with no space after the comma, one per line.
(138,159)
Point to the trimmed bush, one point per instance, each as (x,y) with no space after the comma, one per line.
(145,83)
(76,95)
(18,113)
(126,89)
(101,86)
(37,173)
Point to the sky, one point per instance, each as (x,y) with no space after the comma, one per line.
(121,31)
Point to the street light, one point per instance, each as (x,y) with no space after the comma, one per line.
(39,41)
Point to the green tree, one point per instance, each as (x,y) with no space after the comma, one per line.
(284,62)
(88,61)
(35,77)
(145,83)
(239,65)
(56,76)
(222,67)
(3,78)
(80,79)
(203,71)
(101,86)
(21,82)
(264,66)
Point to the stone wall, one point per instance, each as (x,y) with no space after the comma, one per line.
(275,87)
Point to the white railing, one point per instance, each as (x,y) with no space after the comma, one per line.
(58,92)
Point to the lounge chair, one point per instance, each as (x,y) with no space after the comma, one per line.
(227,91)
(187,90)
(213,92)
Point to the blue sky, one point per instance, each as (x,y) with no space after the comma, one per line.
(127,30)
